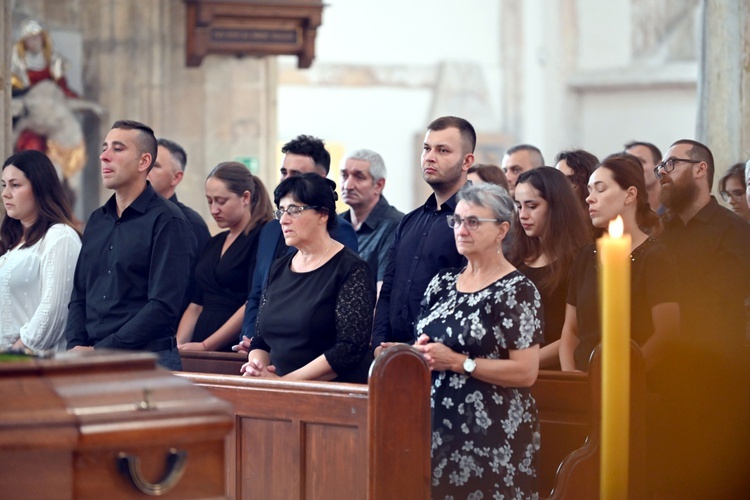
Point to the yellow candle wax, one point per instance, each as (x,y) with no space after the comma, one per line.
(614,282)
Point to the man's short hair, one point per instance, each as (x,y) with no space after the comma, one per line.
(468,135)
(377,165)
(176,150)
(146,138)
(536,155)
(655,152)
(700,152)
(307,145)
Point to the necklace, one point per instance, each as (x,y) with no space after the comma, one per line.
(330,242)
(489,276)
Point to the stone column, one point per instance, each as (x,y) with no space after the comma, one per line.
(724,82)
(6,43)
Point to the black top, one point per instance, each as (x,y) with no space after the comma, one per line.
(131,276)
(222,282)
(654,281)
(712,252)
(553,300)
(271,245)
(325,311)
(423,245)
(197,224)
(202,235)
(376,234)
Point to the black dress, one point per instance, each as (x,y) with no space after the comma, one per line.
(653,281)
(325,311)
(485,437)
(553,300)
(222,282)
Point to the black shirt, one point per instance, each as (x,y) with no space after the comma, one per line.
(423,245)
(376,234)
(653,281)
(197,224)
(325,311)
(222,282)
(202,235)
(131,275)
(712,252)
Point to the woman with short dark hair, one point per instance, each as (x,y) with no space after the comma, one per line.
(315,317)
(39,249)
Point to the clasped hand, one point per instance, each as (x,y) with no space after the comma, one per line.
(256,368)
(439,357)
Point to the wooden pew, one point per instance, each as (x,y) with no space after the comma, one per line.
(569,412)
(578,475)
(323,440)
(227,363)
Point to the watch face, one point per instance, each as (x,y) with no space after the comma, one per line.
(469,365)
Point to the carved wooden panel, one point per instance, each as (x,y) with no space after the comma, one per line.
(252,27)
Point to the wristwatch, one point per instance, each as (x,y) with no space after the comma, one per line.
(469,366)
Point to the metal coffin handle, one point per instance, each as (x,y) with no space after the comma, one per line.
(130,467)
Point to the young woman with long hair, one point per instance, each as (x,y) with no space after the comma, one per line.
(617,187)
(39,248)
(549,228)
(240,203)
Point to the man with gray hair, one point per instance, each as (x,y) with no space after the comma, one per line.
(374,219)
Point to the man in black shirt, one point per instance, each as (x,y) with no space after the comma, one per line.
(374,219)
(424,242)
(131,276)
(704,381)
(166,175)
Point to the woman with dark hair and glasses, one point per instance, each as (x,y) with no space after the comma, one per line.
(315,317)
(239,202)
(618,187)
(732,190)
(549,229)
(39,248)
(479,330)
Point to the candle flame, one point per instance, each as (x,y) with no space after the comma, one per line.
(616,228)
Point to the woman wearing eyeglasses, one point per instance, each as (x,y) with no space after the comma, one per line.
(550,228)
(617,187)
(238,202)
(315,317)
(479,330)
(732,189)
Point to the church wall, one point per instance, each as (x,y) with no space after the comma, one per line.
(133,65)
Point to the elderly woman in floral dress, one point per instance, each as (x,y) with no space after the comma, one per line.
(479,330)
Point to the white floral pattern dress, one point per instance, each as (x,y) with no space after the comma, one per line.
(485,437)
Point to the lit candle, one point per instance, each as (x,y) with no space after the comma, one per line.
(614,282)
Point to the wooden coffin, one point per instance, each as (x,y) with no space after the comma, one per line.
(108,425)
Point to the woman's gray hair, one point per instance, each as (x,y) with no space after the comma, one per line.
(489,196)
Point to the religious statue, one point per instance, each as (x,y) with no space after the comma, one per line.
(43,105)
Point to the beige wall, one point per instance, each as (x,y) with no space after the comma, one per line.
(134,67)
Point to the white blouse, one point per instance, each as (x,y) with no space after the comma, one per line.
(35,287)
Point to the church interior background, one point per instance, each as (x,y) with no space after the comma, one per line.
(559,74)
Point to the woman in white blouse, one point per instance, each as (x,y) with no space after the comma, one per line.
(38,253)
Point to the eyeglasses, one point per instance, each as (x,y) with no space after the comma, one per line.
(668,165)
(736,195)
(293,211)
(472,223)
